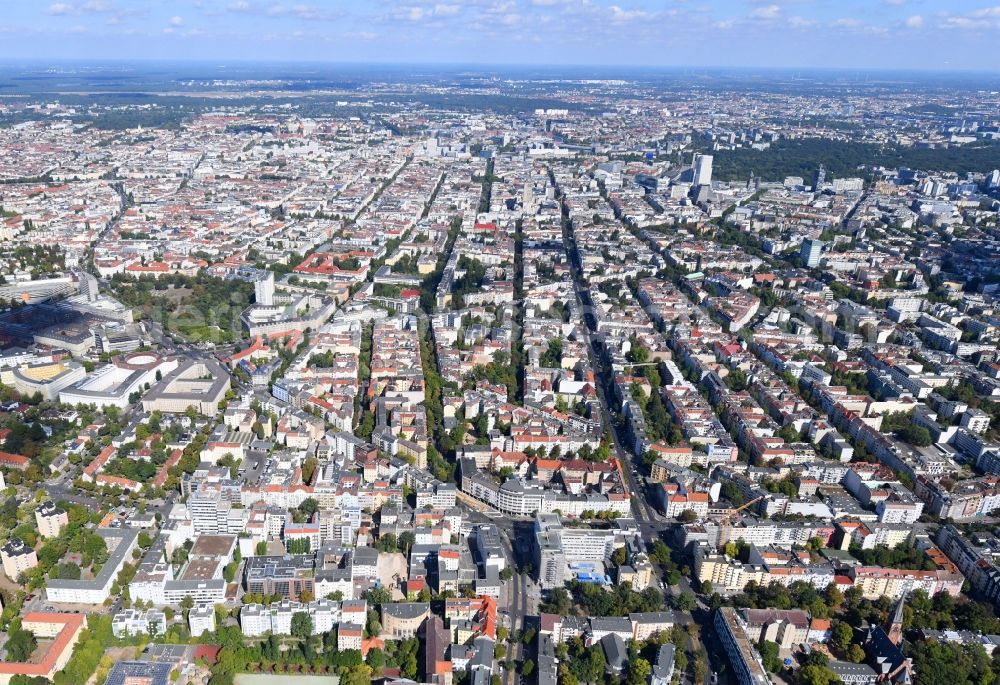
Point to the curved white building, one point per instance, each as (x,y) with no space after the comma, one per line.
(111,385)
(46,378)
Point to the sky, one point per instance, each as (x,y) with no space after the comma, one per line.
(866,34)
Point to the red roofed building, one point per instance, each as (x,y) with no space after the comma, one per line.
(154,269)
(481,611)
(258,348)
(124,483)
(349,636)
(370,644)
(163,473)
(94,467)
(14,461)
(62,629)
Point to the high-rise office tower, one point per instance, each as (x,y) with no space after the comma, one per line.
(811,251)
(263,289)
(818,178)
(702,170)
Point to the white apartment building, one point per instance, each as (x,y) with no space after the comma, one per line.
(201,619)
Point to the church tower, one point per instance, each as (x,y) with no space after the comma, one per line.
(894,628)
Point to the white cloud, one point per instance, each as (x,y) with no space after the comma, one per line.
(847,23)
(619,15)
(985,18)
(299,11)
(176,20)
(914,22)
(239,6)
(801,22)
(766,12)
(439,10)
(960,23)
(307,12)
(61,8)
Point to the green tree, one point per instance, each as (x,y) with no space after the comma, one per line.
(737,380)
(918,436)
(308,470)
(66,571)
(595,664)
(406,541)
(856,654)
(688,516)
(376,659)
(814,674)
(386,542)
(619,556)
(309,507)
(941,662)
(372,624)
(638,671)
(559,602)
(769,655)
(302,625)
(684,601)
(660,553)
(842,635)
(357,675)
(21,644)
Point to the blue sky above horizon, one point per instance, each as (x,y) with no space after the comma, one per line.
(893,34)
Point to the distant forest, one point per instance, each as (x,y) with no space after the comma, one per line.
(802,157)
(120,111)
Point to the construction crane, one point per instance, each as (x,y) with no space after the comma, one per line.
(727,519)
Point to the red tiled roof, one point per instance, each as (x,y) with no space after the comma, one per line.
(72,623)
(17,461)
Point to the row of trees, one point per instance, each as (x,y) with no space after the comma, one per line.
(307,652)
(596,601)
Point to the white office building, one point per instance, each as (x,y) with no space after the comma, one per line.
(702,170)
(263,290)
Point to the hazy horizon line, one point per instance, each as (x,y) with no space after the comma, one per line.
(42,62)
